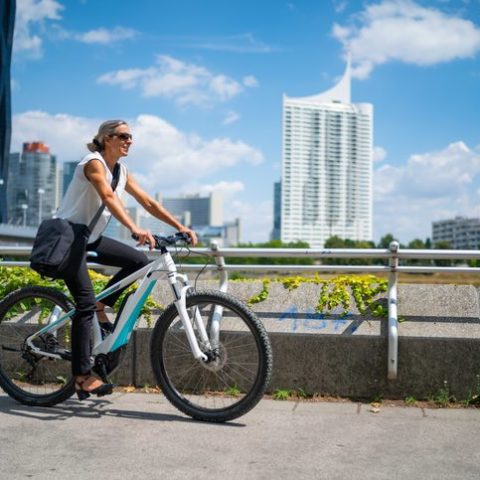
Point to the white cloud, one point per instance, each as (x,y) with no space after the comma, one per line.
(105,36)
(256,219)
(162,158)
(65,134)
(379,154)
(250,81)
(406,31)
(224,87)
(231,117)
(431,186)
(243,43)
(30,20)
(185,83)
(228,190)
(163,155)
(339,5)
(34,18)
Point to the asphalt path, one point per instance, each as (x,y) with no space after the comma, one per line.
(136,435)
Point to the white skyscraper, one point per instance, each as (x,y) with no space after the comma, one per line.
(327,167)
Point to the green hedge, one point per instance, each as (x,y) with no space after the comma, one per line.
(13,278)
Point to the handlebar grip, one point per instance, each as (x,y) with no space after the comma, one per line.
(170,240)
(184,236)
(136,237)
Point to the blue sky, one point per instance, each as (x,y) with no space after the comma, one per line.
(201,85)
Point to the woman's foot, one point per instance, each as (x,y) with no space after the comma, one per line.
(85,385)
(103,319)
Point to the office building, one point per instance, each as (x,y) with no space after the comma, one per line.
(7,20)
(327,167)
(67,175)
(196,209)
(32,185)
(226,235)
(202,214)
(141,218)
(277,211)
(462,233)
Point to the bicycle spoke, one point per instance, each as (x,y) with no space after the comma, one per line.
(26,374)
(233,378)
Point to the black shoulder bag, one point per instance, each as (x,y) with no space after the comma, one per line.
(60,245)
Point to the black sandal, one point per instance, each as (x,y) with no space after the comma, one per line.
(106,327)
(100,391)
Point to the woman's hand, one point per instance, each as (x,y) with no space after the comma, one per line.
(143,237)
(191,234)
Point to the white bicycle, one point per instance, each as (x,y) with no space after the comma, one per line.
(210,353)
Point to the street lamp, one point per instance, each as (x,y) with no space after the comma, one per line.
(24,208)
(40,191)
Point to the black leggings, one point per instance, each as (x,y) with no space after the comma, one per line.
(109,252)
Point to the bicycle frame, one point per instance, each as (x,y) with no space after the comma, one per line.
(131,312)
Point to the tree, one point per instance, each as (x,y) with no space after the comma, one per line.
(386,240)
(443,245)
(417,244)
(271,260)
(336,242)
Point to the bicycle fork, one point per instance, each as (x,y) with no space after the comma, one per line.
(200,342)
(189,323)
(207,336)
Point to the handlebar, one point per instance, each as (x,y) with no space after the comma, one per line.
(165,241)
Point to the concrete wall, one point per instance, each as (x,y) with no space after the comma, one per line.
(347,356)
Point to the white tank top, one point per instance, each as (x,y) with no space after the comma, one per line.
(81,201)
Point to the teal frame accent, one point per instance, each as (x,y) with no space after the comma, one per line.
(124,335)
(50,326)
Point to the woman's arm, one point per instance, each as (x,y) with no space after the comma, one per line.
(95,172)
(155,209)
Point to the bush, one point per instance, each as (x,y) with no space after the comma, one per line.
(13,278)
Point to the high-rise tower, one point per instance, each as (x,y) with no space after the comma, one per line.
(7,20)
(327,166)
(32,185)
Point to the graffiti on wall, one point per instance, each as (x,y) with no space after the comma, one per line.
(312,320)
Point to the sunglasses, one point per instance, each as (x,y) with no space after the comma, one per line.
(123,136)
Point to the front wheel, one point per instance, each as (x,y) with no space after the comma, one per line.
(233,379)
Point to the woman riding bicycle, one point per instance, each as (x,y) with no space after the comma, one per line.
(90,186)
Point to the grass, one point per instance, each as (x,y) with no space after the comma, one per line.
(282,394)
(233,391)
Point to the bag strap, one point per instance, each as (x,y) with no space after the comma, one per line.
(116,177)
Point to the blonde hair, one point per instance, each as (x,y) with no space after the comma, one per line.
(106,129)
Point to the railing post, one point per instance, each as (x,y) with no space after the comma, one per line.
(220,261)
(392,313)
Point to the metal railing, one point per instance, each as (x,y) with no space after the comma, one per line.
(392,257)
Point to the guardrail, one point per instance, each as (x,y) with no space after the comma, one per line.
(392,256)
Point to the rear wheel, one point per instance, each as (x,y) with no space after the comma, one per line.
(29,377)
(233,379)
